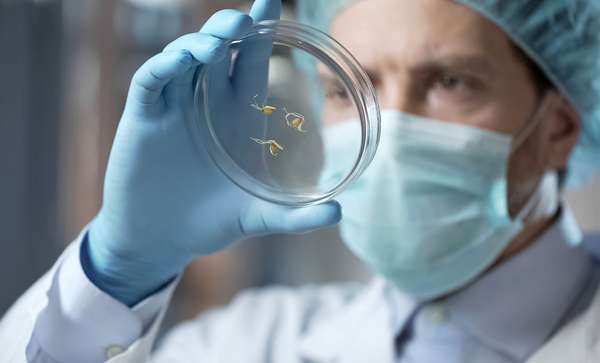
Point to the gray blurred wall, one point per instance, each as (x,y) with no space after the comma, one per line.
(30,88)
(586,205)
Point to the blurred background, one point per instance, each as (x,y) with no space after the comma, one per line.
(64,72)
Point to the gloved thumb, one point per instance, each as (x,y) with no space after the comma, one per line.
(266,218)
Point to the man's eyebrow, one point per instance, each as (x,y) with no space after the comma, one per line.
(470,63)
(326,76)
(328,79)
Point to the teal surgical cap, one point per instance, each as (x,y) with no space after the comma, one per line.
(561,36)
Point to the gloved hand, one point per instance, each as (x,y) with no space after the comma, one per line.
(165,203)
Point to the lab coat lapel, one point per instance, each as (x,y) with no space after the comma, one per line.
(362,332)
(577,342)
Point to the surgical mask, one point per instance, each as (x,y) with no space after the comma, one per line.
(431,212)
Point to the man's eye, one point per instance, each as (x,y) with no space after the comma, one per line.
(336,93)
(455,88)
(450,82)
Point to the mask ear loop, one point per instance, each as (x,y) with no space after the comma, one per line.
(527,130)
(547,181)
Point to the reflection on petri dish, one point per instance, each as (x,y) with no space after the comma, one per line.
(289,115)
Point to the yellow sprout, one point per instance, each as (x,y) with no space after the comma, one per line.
(294,120)
(266,110)
(274,147)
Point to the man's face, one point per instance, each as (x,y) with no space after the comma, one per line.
(442,60)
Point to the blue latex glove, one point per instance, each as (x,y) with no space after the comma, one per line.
(165,203)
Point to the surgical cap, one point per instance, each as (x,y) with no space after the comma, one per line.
(561,36)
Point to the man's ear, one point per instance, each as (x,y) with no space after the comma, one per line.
(562,133)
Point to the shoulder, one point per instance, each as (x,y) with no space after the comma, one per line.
(579,339)
(308,299)
(272,316)
(18,323)
(591,244)
(279,305)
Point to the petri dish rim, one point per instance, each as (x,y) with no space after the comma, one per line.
(335,56)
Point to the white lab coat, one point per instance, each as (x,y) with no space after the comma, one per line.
(364,332)
(225,332)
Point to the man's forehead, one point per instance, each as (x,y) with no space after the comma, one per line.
(478,63)
(424,29)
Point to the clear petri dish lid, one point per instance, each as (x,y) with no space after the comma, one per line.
(289,115)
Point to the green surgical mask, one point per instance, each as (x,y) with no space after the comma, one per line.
(431,213)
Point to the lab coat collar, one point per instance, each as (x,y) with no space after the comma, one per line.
(517,306)
(514,308)
(363,331)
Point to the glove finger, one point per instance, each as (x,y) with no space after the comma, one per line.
(250,75)
(204,48)
(150,79)
(265,10)
(177,59)
(227,24)
(224,25)
(267,218)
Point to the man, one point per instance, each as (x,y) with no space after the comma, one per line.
(490,108)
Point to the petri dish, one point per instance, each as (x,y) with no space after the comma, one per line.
(289,115)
